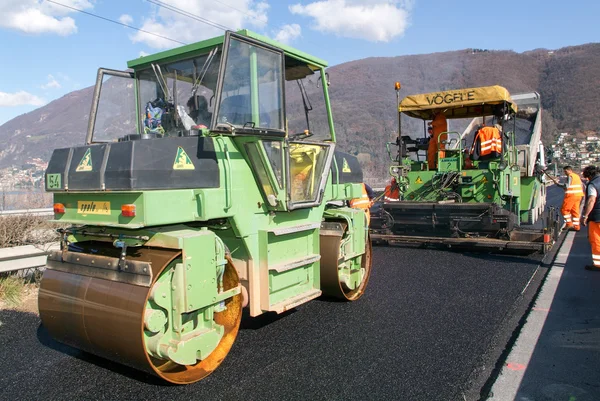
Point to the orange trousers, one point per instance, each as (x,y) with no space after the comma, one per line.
(571,211)
(594,237)
(432,152)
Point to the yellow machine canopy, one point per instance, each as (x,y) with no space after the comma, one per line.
(459,103)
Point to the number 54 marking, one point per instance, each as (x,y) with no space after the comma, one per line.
(53,181)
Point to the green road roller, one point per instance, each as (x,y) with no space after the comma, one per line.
(209,182)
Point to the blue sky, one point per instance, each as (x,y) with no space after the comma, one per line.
(50,50)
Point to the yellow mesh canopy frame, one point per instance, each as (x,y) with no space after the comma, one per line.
(459,103)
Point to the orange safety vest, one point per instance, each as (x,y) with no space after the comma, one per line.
(363,202)
(391,195)
(490,141)
(575,189)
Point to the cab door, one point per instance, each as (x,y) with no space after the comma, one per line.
(309,164)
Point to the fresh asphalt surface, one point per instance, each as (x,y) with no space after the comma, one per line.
(428,328)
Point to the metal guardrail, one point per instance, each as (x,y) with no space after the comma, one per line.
(31,212)
(25,257)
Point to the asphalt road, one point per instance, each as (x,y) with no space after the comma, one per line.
(430,327)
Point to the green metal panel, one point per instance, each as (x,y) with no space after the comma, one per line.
(317,62)
(174,54)
(254,86)
(530,187)
(450,164)
(328,104)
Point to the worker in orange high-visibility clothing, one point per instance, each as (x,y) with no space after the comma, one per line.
(364,202)
(572,202)
(591,214)
(438,126)
(391,192)
(487,144)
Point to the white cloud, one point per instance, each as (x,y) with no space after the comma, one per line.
(20,98)
(288,33)
(233,14)
(52,83)
(37,17)
(143,53)
(372,20)
(126,19)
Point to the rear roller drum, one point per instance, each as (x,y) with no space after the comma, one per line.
(343,278)
(140,326)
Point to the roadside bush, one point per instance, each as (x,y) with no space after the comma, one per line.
(26,230)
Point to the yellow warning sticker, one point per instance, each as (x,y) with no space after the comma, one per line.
(182,161)
(484,180)
(346,167)
(93,207)
(418,180)
(86,162)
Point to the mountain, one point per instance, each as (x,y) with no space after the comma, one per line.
(61,123)
(364,101)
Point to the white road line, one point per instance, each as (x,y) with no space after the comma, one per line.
(507,384)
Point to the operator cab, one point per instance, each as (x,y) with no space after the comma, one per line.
(241,85)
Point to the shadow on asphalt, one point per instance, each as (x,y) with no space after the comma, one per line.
(46,340)
(563,363)
(257,323)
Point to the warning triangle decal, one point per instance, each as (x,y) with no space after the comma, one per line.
(86,162)
(182,161)
(346,167)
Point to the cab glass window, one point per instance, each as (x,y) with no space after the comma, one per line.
(116,112)
(305,103)
(252,94)
(307,164)
(177,97)
(260,170)
(273,149)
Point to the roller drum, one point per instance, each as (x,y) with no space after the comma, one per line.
(331,283)
(106,318)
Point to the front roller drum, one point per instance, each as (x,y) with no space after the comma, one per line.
(109,318)
(343,278)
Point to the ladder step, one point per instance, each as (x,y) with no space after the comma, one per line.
(294,263)
(295,301)
(295,229)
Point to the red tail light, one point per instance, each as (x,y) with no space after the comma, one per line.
(128,210)
(59,208)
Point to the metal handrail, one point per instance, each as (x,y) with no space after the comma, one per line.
(25,257)
(23,212)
